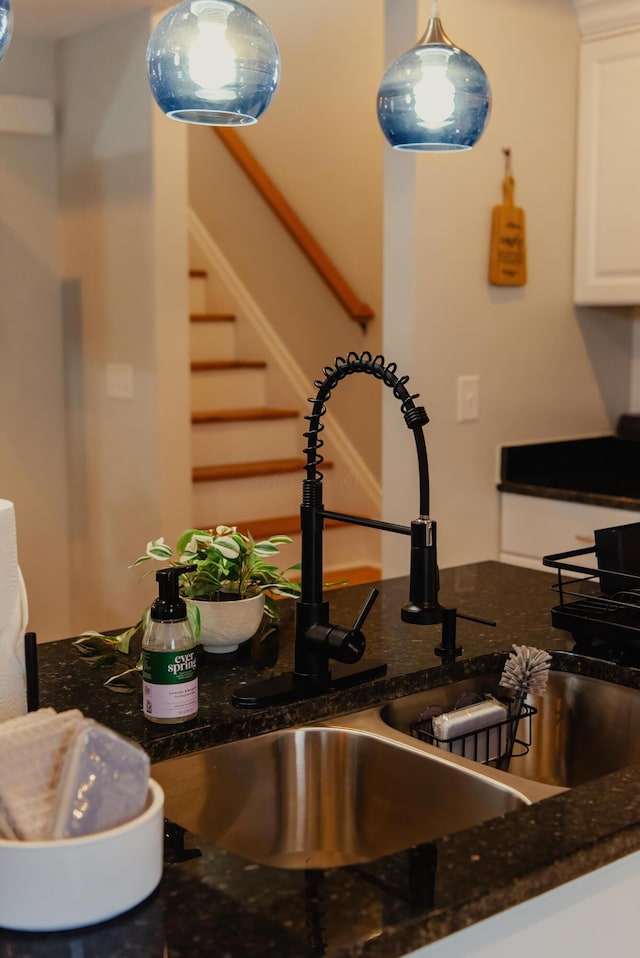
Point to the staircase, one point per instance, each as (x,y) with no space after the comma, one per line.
(246,453)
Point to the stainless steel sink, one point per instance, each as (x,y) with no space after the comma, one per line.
(584,727)
(328,795)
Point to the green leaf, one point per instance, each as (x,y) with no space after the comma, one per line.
(126,682)
(91,648)
(159,550)
(266,549)
(186,537)
(193,615)
(227,547)
(104,661)
(124,638)
(88,635)
(91,643)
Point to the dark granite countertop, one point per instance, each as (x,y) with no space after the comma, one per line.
(219,904)
(599,471)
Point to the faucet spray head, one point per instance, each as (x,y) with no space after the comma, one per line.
(423,607)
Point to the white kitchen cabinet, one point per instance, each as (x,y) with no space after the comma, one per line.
(532,527)
(607,243)
(592,916)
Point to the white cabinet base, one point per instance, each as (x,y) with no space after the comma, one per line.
(532,527)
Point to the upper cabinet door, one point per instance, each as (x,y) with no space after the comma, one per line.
(607,248)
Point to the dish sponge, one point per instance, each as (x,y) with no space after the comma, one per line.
(104,783)
(32,750)
(62,776)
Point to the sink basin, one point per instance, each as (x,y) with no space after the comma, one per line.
(584,728)
(321,797)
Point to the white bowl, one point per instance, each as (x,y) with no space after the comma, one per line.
(73,882)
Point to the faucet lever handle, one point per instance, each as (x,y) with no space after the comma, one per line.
(348,646)
(365,610)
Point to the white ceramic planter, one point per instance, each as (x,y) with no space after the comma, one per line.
(224,625)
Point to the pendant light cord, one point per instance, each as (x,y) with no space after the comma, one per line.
(435,9)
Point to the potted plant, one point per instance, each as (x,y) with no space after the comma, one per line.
(233,585)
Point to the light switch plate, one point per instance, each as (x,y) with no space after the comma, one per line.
(468,398)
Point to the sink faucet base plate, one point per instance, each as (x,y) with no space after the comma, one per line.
(291,687)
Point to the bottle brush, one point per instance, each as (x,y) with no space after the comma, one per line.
(526,672)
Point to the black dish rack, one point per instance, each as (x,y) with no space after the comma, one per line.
(491,745)
(600,607)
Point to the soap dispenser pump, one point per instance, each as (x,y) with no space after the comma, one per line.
(169,666)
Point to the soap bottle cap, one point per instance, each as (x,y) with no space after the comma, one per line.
(169,606)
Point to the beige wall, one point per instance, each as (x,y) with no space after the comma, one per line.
(545,370)
(32,448)
(125,297)
(320,135)
(541,365)
(319,142)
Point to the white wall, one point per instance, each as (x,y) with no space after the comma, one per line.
(533,354)
(125,295)
(32,429)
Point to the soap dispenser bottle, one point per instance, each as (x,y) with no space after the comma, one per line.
(169,667)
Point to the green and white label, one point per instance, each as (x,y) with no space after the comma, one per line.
(169,668)
(169,683)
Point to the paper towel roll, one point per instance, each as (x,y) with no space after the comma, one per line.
(13,619)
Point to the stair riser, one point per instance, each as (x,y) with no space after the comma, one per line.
(227,389)
(214,443)
(219,501)
(213,340)
(197,294)
(208,293)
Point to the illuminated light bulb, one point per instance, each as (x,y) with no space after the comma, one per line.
(213,62)
(435,97)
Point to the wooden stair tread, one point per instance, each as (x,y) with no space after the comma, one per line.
(243,415)
(212,318)
(357,575)
(245,470)
(353,575)
(280,525)
(203,365)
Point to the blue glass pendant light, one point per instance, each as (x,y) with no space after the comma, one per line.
(435,97)
(6,26)
(213,62)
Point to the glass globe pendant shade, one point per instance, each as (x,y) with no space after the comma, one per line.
(6,26)
(213,62)
(435,97)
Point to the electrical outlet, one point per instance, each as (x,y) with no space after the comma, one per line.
(468,398)
(119,381)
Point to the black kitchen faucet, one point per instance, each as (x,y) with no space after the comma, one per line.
(318,643)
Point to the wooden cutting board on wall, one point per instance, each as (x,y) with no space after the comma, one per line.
(508,261)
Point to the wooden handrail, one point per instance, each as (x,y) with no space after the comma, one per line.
(359,311)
